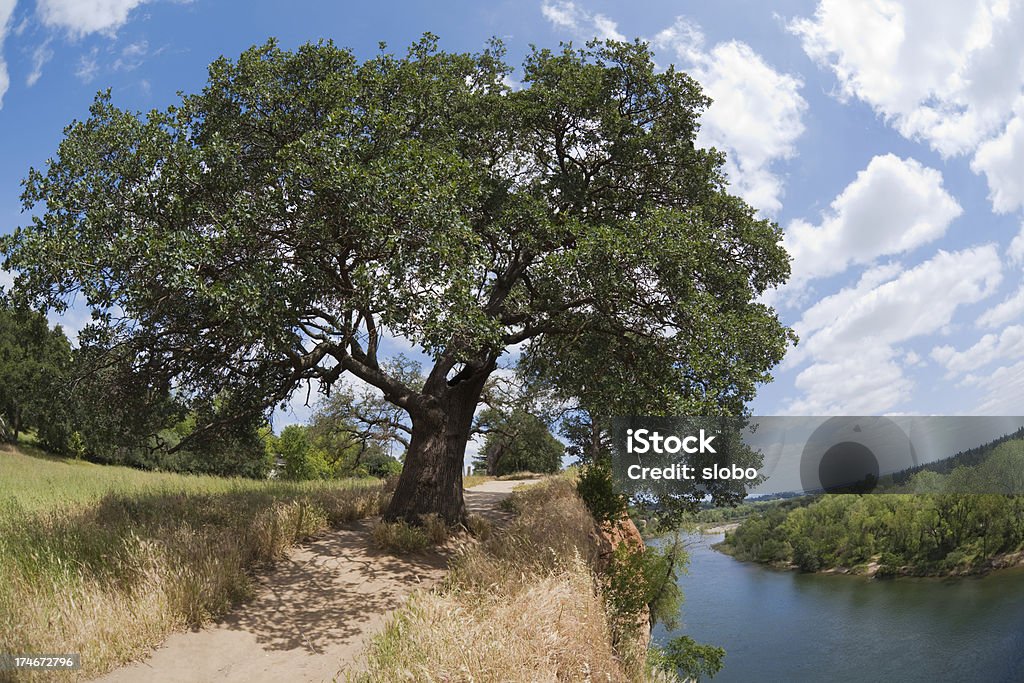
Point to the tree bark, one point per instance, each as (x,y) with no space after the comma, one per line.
(431,480)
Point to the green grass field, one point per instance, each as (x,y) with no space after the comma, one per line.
(37,481)
(106,561)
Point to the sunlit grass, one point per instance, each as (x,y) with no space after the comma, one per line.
(523,604)
(106,561)
(471,480)
(38,481)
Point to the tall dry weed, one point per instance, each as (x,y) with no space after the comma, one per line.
(522,604)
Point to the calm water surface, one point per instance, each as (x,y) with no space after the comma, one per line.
(785,626)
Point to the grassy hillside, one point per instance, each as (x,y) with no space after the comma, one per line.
(106,561)
(36,481)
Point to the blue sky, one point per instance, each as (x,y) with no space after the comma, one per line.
(887,138)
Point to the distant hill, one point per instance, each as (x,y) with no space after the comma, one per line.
(969,458)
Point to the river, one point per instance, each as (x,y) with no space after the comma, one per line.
(785,626)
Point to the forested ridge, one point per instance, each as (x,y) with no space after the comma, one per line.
(920,531)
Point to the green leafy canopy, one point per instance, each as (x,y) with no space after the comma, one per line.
(274,227)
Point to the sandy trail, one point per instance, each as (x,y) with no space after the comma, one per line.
(311,616)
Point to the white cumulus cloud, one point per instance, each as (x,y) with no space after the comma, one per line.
(867,383)
(1001,159)
(40,56)
(850,340)
(948,72)
(569,15)
(757,113)
(82,17)
(6,12)
(893,206)
(945,71)
(1016,250)
(1008,344)
(1002,390)
(1008,310)
(88,66)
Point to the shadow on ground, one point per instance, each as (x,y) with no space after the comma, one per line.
(325,592)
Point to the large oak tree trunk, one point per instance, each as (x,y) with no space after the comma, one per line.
(431,480)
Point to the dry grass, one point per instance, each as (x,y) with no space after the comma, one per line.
(522,474)
(471,480)
(402,538)
(553,629)
(111,576)
(479,527)
(521,605)
(551,528)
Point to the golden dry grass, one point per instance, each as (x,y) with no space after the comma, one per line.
(552,629)
(125,561)
(521,605)
(471,480)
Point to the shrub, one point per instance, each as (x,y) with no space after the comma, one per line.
(692,659)
(645,578)
(480,527)
(598,494)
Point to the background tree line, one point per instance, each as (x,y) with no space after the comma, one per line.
(93,402)
(931,532)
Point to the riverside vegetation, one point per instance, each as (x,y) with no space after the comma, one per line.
(106,561)
(929,533)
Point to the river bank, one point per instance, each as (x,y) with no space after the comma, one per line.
(874,568)
(793,626)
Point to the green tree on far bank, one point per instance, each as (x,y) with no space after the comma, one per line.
(945,527)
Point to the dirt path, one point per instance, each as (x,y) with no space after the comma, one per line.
(311,616)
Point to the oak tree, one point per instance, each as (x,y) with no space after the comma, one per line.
(277,227)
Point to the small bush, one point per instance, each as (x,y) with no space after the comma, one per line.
(694,660)
(402,538)
(480,527)
(435,529)
(645,578)
(598,493)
